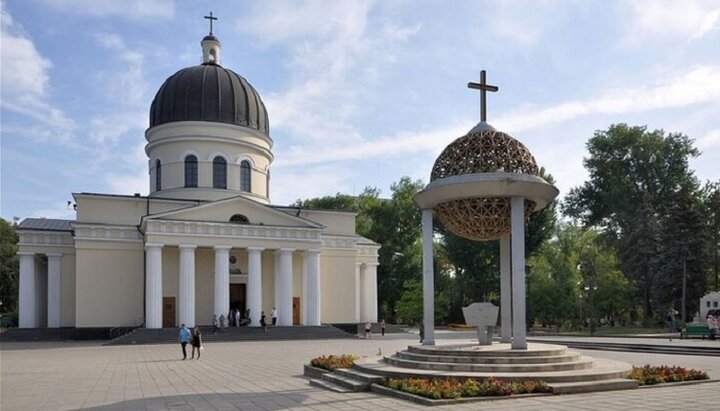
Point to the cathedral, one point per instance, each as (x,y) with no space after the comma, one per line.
(206,240)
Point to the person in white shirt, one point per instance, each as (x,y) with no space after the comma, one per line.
(273,315)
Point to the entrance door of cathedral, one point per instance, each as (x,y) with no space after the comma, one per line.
(296,310)
(237,297)
(168,312)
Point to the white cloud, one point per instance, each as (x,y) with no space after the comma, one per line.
(334,57)
(127,9)
(698,85)
(660,21)
(25,82)
(711,139)
(59,210)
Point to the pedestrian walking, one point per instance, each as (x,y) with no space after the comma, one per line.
(263,323)
(712,323)
(368,331)
(237,317)
(273,315)
(184,339)
(222,322)
(422,332)
(196,342)
(215,323)
(382,328)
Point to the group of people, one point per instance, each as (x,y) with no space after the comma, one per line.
(235,319)
(194,338)
(368,329)
(713,322)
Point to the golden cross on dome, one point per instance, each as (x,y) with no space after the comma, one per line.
(211,18)
(483,87)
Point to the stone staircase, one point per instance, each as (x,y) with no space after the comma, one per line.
(170,335)
(345,380)
(63,334)
(565,371)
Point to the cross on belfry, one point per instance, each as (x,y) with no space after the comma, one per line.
(483,87)
(211,18)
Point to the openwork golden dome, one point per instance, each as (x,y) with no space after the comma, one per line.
(482,150)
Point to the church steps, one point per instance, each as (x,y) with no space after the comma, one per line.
(346,382)
(569,356)
(580,364)
(329,386)
(170,335)
(358,375)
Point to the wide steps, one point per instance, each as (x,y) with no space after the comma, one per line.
(603,369)
(346,382)
(579,364)
(489,351)
(568,356)
(593,386)
(170,335)
(358,375)
(328,386)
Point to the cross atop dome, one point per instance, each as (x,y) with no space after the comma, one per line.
(483,87)
(211,18)
(211,44)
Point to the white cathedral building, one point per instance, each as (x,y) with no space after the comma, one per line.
(206,239)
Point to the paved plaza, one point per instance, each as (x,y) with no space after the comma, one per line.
(268,376)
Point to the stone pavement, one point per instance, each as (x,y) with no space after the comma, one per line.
(268,376)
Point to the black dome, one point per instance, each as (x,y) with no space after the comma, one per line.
(209,92)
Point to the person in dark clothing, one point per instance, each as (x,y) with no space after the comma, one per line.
(263,322)
(196,341)
(422,331)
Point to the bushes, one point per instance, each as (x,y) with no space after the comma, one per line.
(332,362)
(649,375)
(451,388)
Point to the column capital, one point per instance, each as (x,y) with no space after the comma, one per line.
(222,247)
(312,251)
(187,246)
(359,263)
(150,246)
(256,249)
(286,250)
(25,253)
(54,255)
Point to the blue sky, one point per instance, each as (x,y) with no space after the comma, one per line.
(359,93)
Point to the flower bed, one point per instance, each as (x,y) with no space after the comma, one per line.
(332,362)
(649,375)
(450,388)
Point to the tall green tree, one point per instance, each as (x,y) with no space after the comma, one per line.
(634,174)
(684,252)
(9,266)
(711,194)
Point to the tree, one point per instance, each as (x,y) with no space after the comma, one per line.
(634,175)
(711,200)
(684,252)
(9,266)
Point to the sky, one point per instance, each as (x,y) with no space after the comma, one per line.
(359,93)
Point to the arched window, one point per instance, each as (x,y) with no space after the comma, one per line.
(245,176)
(191,171)
(239,219)
(158,176)
(219,172)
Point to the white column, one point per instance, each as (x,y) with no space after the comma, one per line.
(284,287)
(358,292)
(186,285)
(222,280)
(312,258)
(428,278)
(304,290)
(517,205)
(276,281)
(254,290)
(27,291)
(153,285)
(371,290)
(53,289)
(505,291)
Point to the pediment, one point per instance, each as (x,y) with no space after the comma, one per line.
(222,211)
